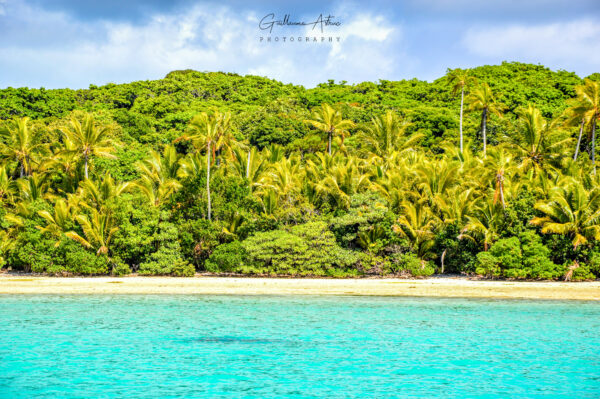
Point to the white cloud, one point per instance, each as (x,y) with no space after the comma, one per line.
(205,38)
(567,44)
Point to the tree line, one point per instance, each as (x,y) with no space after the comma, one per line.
(514,195)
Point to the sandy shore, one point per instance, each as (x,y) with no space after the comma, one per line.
(432,287)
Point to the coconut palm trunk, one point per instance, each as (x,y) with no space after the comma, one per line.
(594,144)
(483,132)
(462,101)
(208,179)
(248,165)
(329,142)
(500,180)
(86,165)
(443,257)
(579,139)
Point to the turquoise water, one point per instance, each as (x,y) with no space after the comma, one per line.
(300,347)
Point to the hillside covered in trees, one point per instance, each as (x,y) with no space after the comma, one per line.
(489,171)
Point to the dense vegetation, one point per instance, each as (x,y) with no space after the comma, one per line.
(488,171)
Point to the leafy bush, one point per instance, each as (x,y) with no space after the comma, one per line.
(519,258)
(536,258)
(167,260)
(409,262)
(308,249)
(230,257)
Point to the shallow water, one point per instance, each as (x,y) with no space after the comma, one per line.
(301,347)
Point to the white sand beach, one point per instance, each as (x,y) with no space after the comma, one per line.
(431,287)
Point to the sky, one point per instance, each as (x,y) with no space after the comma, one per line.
(75,43)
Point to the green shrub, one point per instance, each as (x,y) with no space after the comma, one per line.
(119,268)
(487,265)
(519,258)
(594,263)
(307,249)
(582,273)
(536,258)
(508,252)
(79,260)
(410,263)
(229,258)
(167,260)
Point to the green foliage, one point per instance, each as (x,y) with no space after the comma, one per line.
(366,224)
(137,224)
(167,259)
(519,258)
(227,258)
(410,263)
(308,249)
(393,193)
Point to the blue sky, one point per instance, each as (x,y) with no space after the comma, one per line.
(74,43)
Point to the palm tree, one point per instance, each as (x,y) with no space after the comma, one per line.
(340,182)
(482,99)
(252,168)
(572,211)
(285,179)
(88,140)
(34,187)
(460,79)
(97,231)
(8,188)
(20,144)
(587,109)
(485,222)
(498,165)
(434,179)
(539,143)
(417,223)
(65,161)
(386,135)
(159,174)
(329,120)
(97,194)
(59,221)
(210,133)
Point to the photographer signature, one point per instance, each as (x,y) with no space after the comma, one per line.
(269,21)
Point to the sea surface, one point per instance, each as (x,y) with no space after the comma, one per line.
(110,346)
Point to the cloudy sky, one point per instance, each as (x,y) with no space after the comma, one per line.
(74,43)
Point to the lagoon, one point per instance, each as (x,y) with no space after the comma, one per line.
(147,346)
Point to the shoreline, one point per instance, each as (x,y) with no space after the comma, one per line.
(451,287)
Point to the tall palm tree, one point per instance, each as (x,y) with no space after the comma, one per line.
(209,132)
(88,140)
(329,120)
(587,108)
(572,211)
(20,144)
(251,166)
(461,79)
(482,99)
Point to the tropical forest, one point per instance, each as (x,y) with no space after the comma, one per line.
(488,172)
